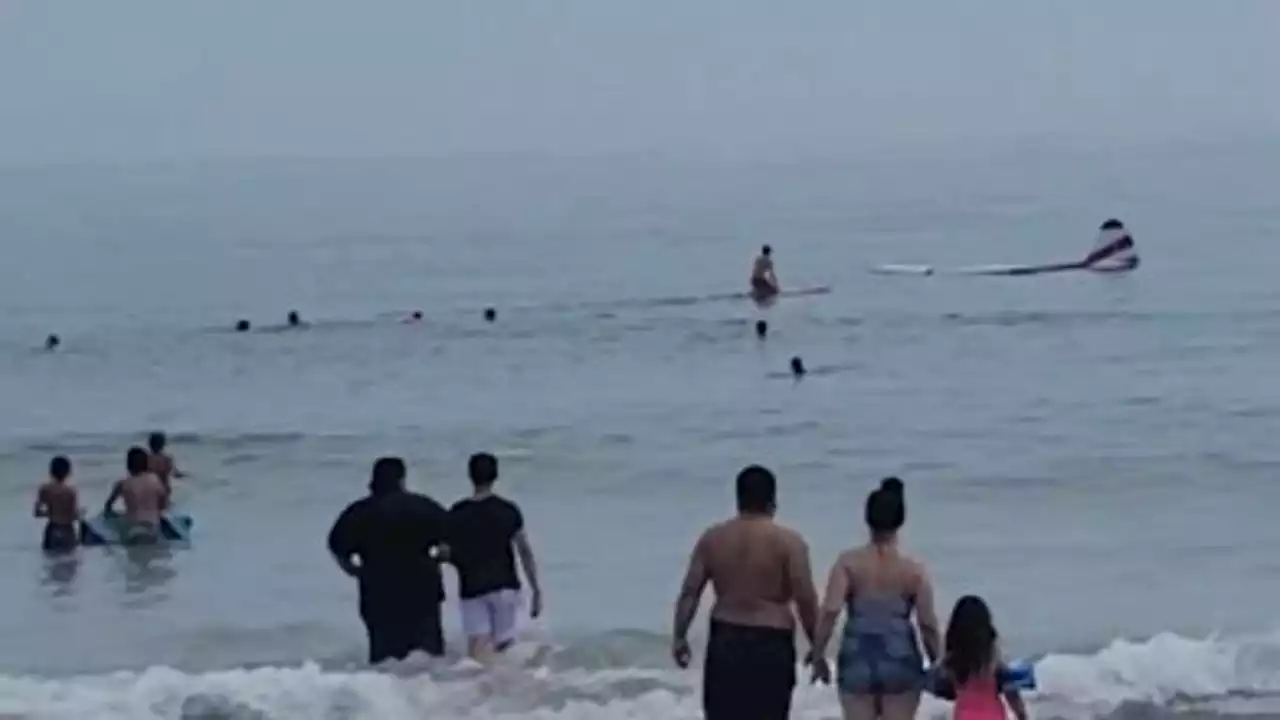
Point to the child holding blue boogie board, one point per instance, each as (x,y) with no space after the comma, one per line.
(972,671)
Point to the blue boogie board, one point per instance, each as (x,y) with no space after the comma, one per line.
(103,529)
(1012,676)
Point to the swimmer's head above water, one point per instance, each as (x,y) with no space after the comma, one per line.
(797,367)
(757,491)
(490,314)
(766,251)
(52,342)
(242,326)
(1112,224)
(294,319)
(762,329)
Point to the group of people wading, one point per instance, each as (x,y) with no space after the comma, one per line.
(763,582)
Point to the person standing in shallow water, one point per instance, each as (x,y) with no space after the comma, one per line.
(879,668)
(486,533)
(759,571)
(389,541)
(58,502)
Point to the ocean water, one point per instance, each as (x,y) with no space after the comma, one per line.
(1094,455)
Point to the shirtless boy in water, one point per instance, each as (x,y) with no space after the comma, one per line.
(144,498)
(59,502)
(762,578)
(161,463)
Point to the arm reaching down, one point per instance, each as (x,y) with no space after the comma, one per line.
(927,618)
(41,508)
(805,596)
(530,565)
(691,589)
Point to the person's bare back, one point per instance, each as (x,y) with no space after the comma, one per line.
(143,497)
(757,569)
(59,502)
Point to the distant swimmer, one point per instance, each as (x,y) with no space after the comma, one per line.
(59,502)
(1114,250)
(295,320)
(144,498)
(764,281)
(762,329)
(242,326)
(162,464)
(414,317)
(762,579)
(389,541)
(486,534)
(52,342)
(490,315)
(798,369)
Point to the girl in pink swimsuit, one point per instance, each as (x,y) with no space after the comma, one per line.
(972,662)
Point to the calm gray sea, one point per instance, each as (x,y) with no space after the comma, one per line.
(1095,455)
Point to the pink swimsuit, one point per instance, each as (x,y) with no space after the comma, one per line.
(979,699)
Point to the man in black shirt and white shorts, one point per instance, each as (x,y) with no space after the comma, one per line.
(486,533)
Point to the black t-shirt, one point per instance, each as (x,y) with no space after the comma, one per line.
(392,535)
(481,533)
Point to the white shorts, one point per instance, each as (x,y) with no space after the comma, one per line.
(492,615)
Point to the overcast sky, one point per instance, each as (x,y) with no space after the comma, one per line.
(126,79)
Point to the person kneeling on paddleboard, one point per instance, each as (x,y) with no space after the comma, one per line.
(764,282)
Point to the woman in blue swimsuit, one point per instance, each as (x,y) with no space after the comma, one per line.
(879,668)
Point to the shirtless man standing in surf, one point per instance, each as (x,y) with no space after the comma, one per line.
(144,498)
(764,282)
(763,580)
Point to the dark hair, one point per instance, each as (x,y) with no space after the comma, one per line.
(242,326)
(137,460)
(490,314)
(483,469)
(766,250)
(156,442)
(971,639)
(417,314)
(294,318)
(886,510)
(797,366)
(52,342)
(388,476)
(757,490)
(59,468)
(762,328)
(1112,224)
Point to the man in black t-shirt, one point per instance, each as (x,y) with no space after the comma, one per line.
(395,535)
(486,533)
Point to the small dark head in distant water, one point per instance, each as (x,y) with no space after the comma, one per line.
(242,326)
(294,319)
(417,315)
(1112,224)
(490,315)
(797,367)
(52,342)
(762,329)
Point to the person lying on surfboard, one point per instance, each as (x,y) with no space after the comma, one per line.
(764,283)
